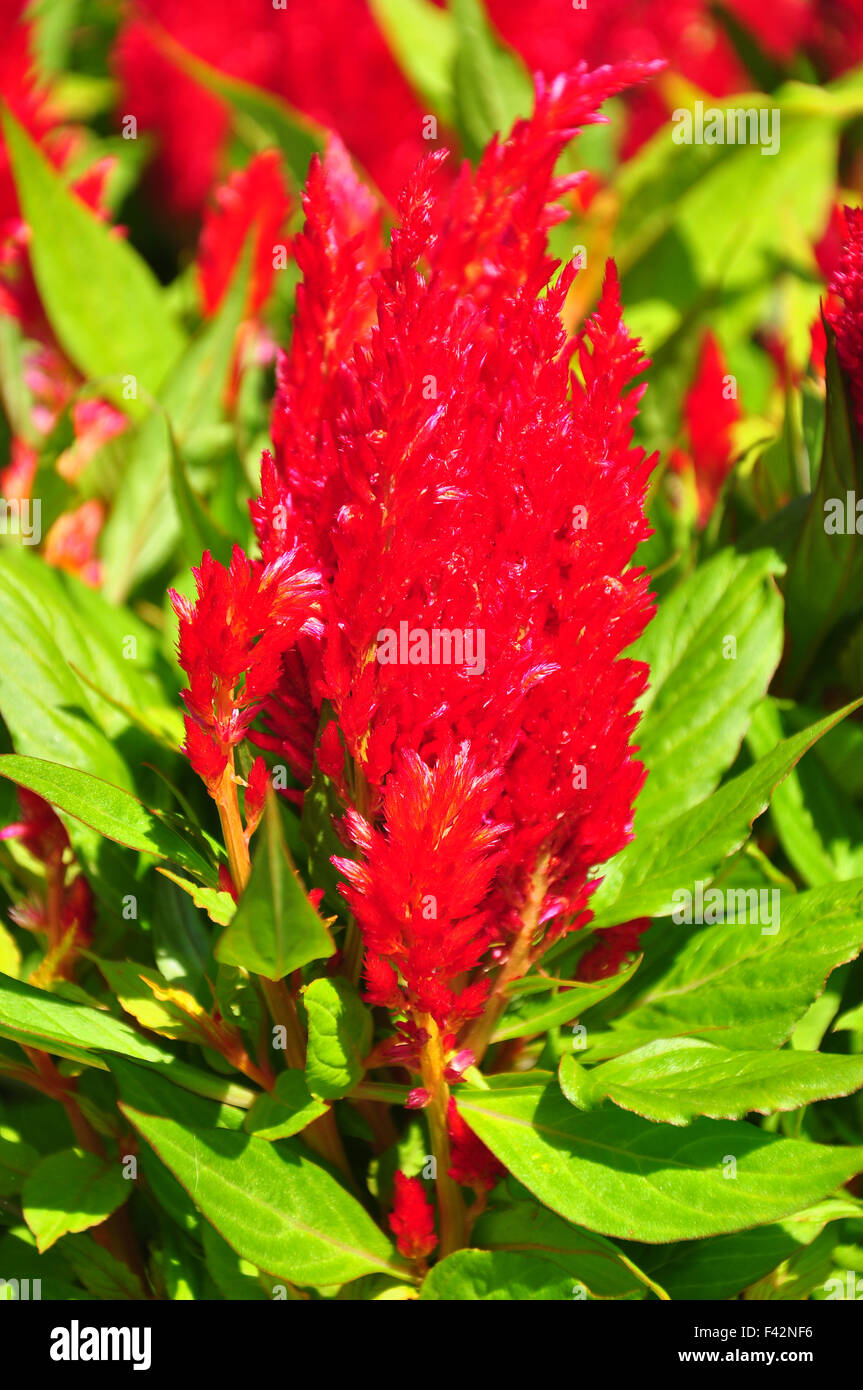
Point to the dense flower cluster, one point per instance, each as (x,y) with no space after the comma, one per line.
(433,437)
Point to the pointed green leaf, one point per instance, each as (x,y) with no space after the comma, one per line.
(107,809)
(737,985)
(104,303)
(71,1191)
(676,1080)
(275,929)
(271,1203)
(624,1177)
(825,576)
(642,880)
(286,1111)
(534,1015)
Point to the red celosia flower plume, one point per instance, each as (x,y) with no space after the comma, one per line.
(254,197)
(846,289)
(412,1219)
(710,412)
(452,474)
(419,888)
(231,643)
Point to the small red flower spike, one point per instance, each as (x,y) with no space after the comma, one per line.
(232,640)
(412,1219)
(846,288)
(473,1165)
(254,197)
(710,411)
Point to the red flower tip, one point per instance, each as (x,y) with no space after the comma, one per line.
(412,1219)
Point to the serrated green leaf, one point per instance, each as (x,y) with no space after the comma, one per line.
(71,1191)
(624,1177)
(340,1036)
(275,929)
(271,1203)
(103,302)
(673,1081)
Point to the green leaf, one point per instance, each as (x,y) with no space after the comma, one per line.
(643,879)
(699,702)
(107,809)
(103,302)
(741,987)
(340,1036)
(533,1015)
(624,1177)
(287,1111)
(17,1159)
(144,526)
(71,1191)
(674,1080)
(492,85)
(590,1260)
(35,1018)
(199,531)
(235,1278)
(825,576)
(271,1203)
(275,929)
(101,1273)
(423,41)
(721,1267)
(216,902)
(472,1275)
(819,826)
